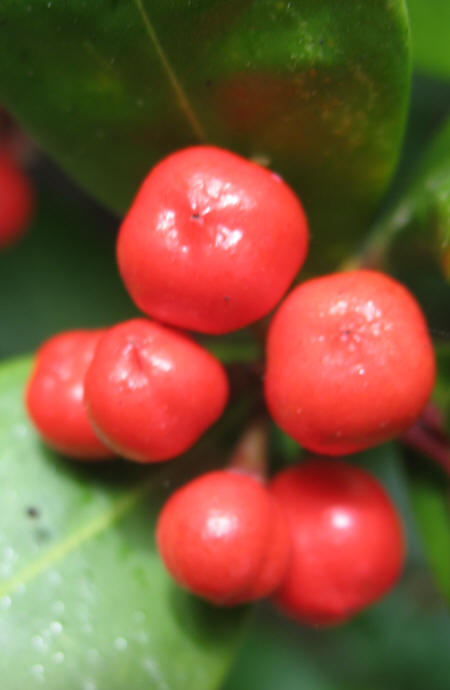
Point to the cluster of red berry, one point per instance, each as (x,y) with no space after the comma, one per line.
(211,244)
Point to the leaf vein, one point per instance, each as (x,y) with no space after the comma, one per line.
(57,552)
(173,79)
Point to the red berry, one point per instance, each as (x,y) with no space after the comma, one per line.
(151,391)
(223,537)
(212,241)
(349,362)
(16,201)
(54,395)
(347,541)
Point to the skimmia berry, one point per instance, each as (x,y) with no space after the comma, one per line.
(350,362)
(347,541)
(224,537)
(151,391)
(212,241)
(54,395)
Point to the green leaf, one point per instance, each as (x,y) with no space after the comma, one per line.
(317,90)
(430,497)
(441,393)
(84,600)
(430,22)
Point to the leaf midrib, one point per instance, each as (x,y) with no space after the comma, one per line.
(181,97)
(74,541)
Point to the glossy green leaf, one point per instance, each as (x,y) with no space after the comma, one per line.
(430,27)
(84,600)
(317,90)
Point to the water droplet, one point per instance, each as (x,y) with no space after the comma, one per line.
(56,628)
(89,685)
(19,430)
(39,643)
(58,657)
(37,671)
(120,643)
(5,603)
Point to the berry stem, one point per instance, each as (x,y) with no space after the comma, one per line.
(373,253)
(250,454)
(429,438)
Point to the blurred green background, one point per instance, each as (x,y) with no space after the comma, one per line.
(62,275)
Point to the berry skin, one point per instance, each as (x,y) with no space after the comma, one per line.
(151,391)
(16,201)
(347,541)
(211,242)
(54,395)
(223,537)
(350,363)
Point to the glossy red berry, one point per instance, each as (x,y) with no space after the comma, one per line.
(54,395)
(223,537)
(350,363)
(16,201)
(347,541)
(151,391)
(212,241)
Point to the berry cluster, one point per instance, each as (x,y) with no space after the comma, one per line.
(211,244)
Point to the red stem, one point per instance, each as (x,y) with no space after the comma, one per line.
(428,437)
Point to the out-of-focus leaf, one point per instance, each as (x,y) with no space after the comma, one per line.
(240,347)
(419,225)
(430,27)
(401,643)
(441,393)
(84,600)
(428,112)
(62,275)
(318,90)
(430,496)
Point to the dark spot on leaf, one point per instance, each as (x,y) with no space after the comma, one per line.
(33,512)
(208,82)
(321,41)
(347,332)
(195,216)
